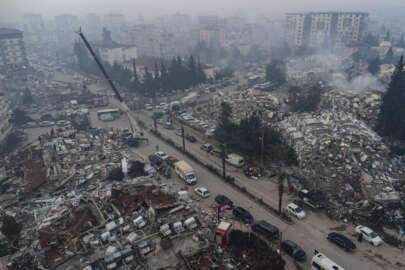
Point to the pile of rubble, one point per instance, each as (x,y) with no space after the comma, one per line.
(245,251)
(73,215)
(364,106)
(248,101)
(334,149)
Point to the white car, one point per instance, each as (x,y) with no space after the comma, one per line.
(295,210)
(369,235)
(162,155)
(202,192)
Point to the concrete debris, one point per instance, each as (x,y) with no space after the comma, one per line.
(341,155)
(364,105)
(248,101)
(72,214)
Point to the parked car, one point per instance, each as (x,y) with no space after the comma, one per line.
(156,161)
(266,229)
(292,249)
(191,138)
(222,199)
(202,192)
(206,147)
(369,235)
(162,155)
(171,160)
(295,210)
(342,241)
(178,132)
(243,215)
(216,152)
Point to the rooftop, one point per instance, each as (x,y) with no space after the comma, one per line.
(7,31)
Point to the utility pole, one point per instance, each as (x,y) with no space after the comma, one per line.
(281,179)
(223,156)
(262,149)
(182,135)
(155,123)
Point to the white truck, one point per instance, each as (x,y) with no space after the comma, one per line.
(185,172)
(235,160)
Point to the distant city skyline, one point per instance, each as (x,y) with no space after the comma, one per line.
(11,9)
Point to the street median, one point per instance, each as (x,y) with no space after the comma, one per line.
(231,180)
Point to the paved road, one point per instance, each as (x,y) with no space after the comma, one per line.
(309,233)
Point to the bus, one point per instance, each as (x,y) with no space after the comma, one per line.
(108,114)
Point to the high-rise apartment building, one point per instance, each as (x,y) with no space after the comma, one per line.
(12,49)
(5,125)
(316,29)
(33,23)
(212,37)
(65,27)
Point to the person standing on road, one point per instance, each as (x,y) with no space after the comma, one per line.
(157,147)
(360,238)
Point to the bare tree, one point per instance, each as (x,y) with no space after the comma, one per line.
(281,180)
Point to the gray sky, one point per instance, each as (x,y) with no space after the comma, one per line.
(132,8)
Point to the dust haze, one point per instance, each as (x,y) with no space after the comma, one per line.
(131,9)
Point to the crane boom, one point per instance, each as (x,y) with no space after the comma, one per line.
(117,94)
(132,122)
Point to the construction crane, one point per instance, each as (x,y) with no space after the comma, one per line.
(117,94)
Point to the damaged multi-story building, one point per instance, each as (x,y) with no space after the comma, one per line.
(12,49)
(315,29)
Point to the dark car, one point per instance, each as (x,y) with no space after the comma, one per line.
(216,152)
(156,161)
(341,241)
(222,199)
(191,138)
(243,215)
(293,250)
(171,160)
(206,147)
(266,229)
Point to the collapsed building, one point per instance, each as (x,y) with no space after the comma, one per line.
(338,153)
(247,102)
(364,105)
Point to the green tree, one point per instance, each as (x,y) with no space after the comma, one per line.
(81,54)
(371,40)
(202,78)
(391,121)
(224,131)
(374,66)
(148,85)
(10,227)
(401,42)
(19,117)
(27,97)
(116,174)
(388,36)
(276,72)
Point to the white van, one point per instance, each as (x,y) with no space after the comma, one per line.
(235,160)
(321,262)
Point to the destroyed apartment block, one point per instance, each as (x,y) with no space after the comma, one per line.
(364,106)
(334,148)
(247,102)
